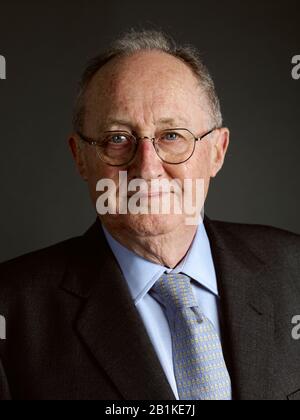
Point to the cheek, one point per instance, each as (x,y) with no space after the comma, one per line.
(197,167)
(201,165)
(96,171)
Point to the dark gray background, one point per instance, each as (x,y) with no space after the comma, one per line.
(248,46)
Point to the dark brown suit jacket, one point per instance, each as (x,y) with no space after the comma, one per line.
(74,333)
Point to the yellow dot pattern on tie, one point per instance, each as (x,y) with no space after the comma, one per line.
(199,366)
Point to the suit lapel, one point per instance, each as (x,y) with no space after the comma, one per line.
(246,313)
(112,330)
(109,323)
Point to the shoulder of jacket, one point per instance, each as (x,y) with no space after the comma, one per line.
(37,265)
(263,240)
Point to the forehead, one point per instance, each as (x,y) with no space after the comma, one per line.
(144,83)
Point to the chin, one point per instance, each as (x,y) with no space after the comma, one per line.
(145,225)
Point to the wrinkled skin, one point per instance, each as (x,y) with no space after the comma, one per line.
(143,94)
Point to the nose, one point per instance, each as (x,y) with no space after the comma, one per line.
(147,164)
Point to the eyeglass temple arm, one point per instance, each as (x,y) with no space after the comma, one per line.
(206,134)
(85,139)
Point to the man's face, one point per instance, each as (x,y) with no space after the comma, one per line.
(144,94)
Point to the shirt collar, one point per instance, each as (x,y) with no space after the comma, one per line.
(141,274)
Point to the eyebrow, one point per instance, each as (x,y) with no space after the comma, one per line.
(174,122)
(117,121)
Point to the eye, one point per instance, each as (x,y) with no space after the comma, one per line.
(170,136)
(117,139)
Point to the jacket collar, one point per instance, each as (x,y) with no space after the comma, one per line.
(246,312)
(109,323)
(113,331)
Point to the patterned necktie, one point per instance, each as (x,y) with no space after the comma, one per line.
(199,366)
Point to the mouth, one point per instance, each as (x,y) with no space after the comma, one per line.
(148,194)
(152,194)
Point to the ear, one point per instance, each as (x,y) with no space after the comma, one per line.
(220,146)
(78,155)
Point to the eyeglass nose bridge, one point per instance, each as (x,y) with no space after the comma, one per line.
(152,139)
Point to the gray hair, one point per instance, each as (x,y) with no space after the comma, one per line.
(147,40)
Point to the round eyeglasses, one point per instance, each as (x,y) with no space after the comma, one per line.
(173,146)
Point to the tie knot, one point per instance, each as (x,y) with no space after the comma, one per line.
(175,291)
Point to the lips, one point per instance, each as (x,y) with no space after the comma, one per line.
(150,194)
(144,190)
(147,194)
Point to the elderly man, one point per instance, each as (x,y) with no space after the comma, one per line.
(146,306)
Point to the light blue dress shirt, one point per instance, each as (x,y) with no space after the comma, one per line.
(141,275)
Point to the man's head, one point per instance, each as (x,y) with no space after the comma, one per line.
(144,85)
